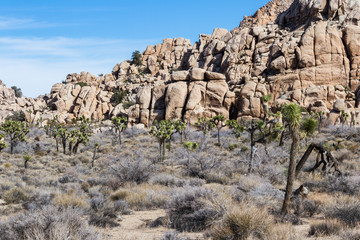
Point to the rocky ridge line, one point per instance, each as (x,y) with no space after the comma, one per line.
(304,51)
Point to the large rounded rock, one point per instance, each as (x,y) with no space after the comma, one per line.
(340,105)
(180,76)
(197,74)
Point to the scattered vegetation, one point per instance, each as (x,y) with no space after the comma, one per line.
(199,186)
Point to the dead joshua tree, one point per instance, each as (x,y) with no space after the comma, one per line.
(324,158)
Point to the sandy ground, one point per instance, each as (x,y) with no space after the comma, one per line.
(134,227)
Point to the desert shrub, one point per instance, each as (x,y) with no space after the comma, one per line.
(344,184)
(257,189)
(188,211)
(274,173)
(48,223)
(242,222)
(38,198)
(132,169)
(103,212)
(173,236)
(172,181)
(17,116)
(325,229)
(346,210)
(17,90)
(117,97)
(136,58)
(16,195)
(310,207)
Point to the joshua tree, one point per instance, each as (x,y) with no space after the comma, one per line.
(205,125)
(15,131)
(180,127)
(120,124)
(343,118)
(26,158)
(162,131)
(190,147)
(218,122)
(260,132)
(292,116)
(51,129)
(82,133)
(63,134)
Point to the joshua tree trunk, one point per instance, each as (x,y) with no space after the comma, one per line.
(25,164)
(282,138)
(12,144)
(219,136)
(120,137)
(57,144)
(70,147)
(163,150)
(64,146)
(76,147)
(291,170)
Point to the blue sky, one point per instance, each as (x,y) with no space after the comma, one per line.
(41,41)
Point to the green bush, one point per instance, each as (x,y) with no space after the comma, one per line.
(18,92)
(17,116)
(118,97)
(136,58)
(82,84)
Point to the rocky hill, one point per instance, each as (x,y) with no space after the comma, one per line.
(304,51)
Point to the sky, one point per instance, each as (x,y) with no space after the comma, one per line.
(41,41)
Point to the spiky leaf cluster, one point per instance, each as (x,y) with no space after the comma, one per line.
(236,127)
(16,130)
(205,124)
(191,146)
(163,130)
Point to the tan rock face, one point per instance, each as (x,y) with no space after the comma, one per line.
(304,51)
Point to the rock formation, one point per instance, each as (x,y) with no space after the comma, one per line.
(303,51)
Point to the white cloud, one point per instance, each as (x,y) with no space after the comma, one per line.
(7,23)
(35,64)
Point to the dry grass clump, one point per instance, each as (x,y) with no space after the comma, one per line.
(68,200)
(284,232)
(327,228)
(242,222)
(143,196)
(16,195)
